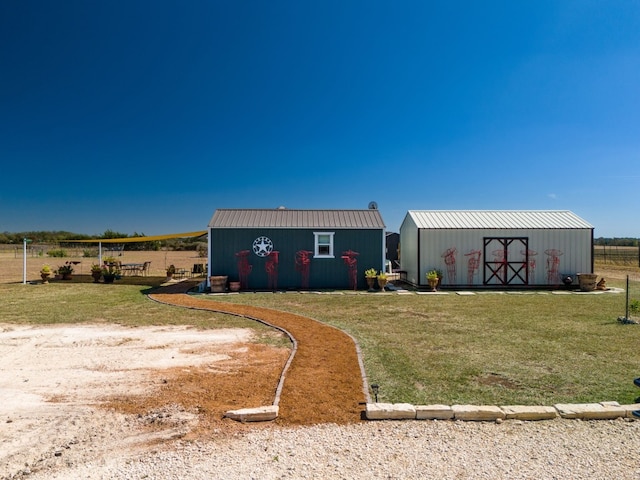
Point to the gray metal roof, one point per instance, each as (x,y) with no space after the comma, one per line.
(287,218)
(497,219)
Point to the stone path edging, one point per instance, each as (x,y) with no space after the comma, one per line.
(267,412)
(582,411)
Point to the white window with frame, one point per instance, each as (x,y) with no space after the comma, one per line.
(323,244)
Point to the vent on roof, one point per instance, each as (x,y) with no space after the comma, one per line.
(373,206)
(282,207)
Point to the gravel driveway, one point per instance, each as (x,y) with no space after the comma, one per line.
(551,449)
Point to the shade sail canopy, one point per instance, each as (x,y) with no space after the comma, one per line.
(153,238)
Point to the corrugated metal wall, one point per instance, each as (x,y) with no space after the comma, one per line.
(225,243)
(552,253)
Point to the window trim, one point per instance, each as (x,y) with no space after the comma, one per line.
(317,245)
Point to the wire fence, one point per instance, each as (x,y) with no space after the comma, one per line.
(616,255)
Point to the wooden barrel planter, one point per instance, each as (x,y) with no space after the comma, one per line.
(218,283)
(587,281)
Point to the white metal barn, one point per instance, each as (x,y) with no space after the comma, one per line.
(495,248)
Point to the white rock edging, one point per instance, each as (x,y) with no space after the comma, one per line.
(390,411)
(258,414)
(483,413)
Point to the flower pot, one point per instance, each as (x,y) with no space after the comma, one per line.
(382,282)
(108,278)
(234,286)
(371,281)
(218,283)
(45,277)
(66,276)
(587,281)
(96,276)
(433,283)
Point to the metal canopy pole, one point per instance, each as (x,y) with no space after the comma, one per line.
(24,261)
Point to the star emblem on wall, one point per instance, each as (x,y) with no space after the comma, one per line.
(262,246)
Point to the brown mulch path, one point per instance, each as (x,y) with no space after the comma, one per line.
(324,382)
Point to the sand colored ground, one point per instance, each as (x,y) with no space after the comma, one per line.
(72,393)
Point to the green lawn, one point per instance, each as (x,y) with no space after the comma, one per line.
(121,303)
(535,349)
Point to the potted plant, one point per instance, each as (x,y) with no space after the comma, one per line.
(171,269)
(65,271)
(433,276)
(370,275)
(96,272)
(45,272)
(110,272)
(109,260)
(382,280)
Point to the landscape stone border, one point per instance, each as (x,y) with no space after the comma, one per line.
(484,413)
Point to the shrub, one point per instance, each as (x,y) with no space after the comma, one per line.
(66,269)
(58,253)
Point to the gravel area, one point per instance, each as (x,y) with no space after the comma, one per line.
(554,449)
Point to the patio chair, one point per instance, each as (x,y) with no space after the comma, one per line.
(197,270)
(144,270)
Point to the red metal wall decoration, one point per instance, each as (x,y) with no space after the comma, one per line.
(473,262)
(244,268)
(531,254)
(553,266)
(271,267)
(351,261)
(303,265)
(450,261)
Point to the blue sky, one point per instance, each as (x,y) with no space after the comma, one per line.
(146,116)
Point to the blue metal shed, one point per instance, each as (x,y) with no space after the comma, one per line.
(288,249)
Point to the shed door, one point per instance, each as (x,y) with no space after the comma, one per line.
(506,261)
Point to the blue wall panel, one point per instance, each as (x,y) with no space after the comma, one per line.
(323,272)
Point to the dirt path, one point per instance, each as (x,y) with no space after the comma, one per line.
(324,381)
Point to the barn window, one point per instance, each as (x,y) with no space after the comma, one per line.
(323,244)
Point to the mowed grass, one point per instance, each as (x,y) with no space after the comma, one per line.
(489,348)
(496,349)
(121,303)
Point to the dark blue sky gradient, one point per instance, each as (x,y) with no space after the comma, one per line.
(146,116)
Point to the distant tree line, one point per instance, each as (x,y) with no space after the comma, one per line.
(617,242)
